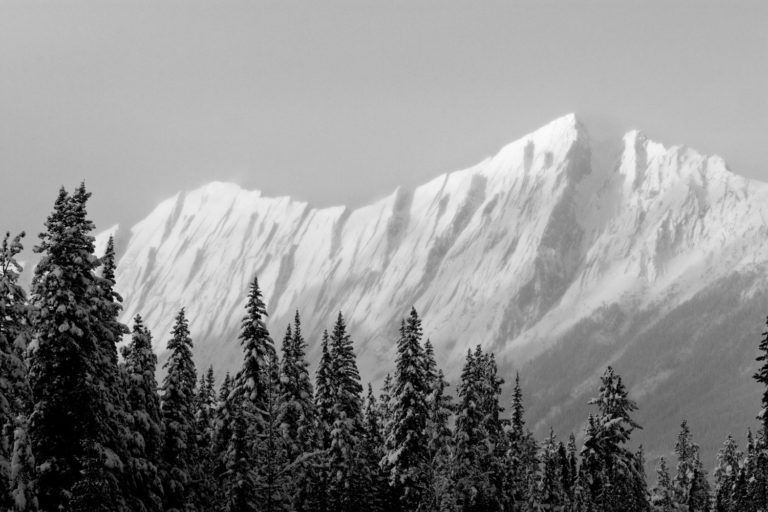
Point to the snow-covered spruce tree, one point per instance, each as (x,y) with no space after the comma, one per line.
(440,438)
(408,441)
(473,448)
(690,482)
(297,407)
(73,372)
(615,479)
(237,477)
(325,400)
(143,408)
(551,494)
(564,470)
(377,492)
(346,467)
(729,460)
(205,486)
(663,494)
(521,457)
(17,478)
(297,415)
(178,414)
(256,386)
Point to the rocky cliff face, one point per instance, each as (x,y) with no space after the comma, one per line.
(655,264)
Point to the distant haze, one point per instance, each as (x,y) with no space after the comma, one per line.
(340,102)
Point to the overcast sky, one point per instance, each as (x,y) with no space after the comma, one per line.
(340,102)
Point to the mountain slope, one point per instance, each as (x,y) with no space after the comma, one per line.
(655,264)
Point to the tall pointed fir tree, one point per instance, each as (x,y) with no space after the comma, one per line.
(205,410)
(551,493)
(663,494)
(297,414)
(690,483)
(408,440)
(478,435)
(377,496)
(521,457)
(325,400)
(256,387)
(73,426)
(346,468)
(17,481)
(145,422)
(177,407)
(729,460)
(615,479)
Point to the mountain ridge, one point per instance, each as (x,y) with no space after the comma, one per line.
(521,253)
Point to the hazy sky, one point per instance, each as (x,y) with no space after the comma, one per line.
(340,102)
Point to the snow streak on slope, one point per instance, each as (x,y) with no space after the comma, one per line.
(529,253)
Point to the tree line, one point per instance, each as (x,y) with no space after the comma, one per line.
(83,428)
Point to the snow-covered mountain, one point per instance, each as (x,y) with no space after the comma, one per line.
(655,264)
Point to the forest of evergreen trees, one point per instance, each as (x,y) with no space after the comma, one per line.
(85,429)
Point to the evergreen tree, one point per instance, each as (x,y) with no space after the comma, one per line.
(570,475)
(238,478)
(325,398)
(256,389)
(17,479)
(297,407)
(690,483)
(476,435)
(145,422)
(663,496)
(205,466)
(521,456)
(346,467)
(178,414)
(551,494)
(377,495)
(615,478)
(73,373)
(729,460)
(297,414)
(408,441)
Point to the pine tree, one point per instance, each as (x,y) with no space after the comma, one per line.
(17,479)
(346,467)
(477,435)
(729,459)
(178,414)
(663,496)
(238,478)
(145,422)
(324,404)
(325,398)
(297,407)
(521,457)
(551,494)
(73,372)
(570,475)
(297,414)
(408,441)
(204,488)
(377,492)
(690,483)
(256,386)
(615,479)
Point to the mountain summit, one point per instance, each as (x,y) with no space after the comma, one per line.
(655,264)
